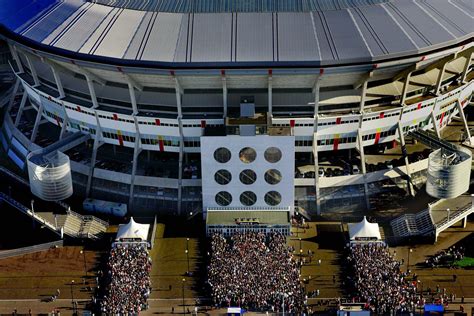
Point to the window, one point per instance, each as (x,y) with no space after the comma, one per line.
(248,198)
(272,154)
(222,155)
(248,176)
(247,155)
(272,198)
(273,176)
(223,198)
(223,177)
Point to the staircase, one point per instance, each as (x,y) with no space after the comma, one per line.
(409,225)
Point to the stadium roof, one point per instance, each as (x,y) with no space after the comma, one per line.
(238,32)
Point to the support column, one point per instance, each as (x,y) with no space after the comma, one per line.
(270,94)
(136,152)
(466,67)
(90,85)
(362,95)
(17,59)
(177,89)
(33,71)
(95,147)
(362,166)
(435,125)
(440,78)
(65,122)
(180,165)
(405,89)
(20,110)
(405,157)
(133,98)
(463,118)
(59,83)
(317,85)
(316,173)
(39,115)
(16,87)
(224,94)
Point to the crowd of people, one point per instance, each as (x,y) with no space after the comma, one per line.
(378,281)
(128,285)
(255,271)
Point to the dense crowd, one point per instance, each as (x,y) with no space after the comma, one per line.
(129,283)
(378,280)
(254,271)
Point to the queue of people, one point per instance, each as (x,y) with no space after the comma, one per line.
(129,285)
(378,281)
(255,271)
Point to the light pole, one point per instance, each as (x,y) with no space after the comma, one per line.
(300,244)
(83,252)
(187,258)
(184,312)
(72,298)
(283,295)
(33,206)
(410,250)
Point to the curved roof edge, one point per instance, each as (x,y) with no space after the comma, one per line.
(64,53)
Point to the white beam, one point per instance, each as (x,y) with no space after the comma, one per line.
(463,118)
(316,173)
(362,95)
(37,123)
(58,81)
(90,84)
(95,147)
(178,96)
(133,98)
(405,156)
(16,87)
(270,95)
(33,70)
(17,59)
(224,95)
(405,89)
(466,66)
(20,110)
(435,124)
(360,148)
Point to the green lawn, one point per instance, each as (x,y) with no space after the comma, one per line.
(465,262)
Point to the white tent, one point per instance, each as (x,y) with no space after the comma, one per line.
(364,231)
(133,230)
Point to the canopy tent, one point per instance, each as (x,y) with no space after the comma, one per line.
(364,231)
(133,230)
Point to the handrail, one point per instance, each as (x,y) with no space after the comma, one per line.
(30,249)
(455,217)
(28,212)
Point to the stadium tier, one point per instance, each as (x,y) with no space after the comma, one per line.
(146,80)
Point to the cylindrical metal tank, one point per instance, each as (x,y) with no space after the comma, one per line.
(50,175)
(448,173)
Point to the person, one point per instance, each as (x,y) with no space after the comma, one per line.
(455,277)
(172,310)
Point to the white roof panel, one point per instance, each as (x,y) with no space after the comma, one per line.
(115,41)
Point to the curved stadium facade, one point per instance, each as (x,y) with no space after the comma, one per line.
(143,81)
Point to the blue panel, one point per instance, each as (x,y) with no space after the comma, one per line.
(53,21)
(8,132)
(15,14)
(19,147)
(17,160)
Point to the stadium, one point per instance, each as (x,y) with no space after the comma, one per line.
(153,103)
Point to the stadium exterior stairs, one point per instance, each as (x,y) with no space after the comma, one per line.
(408,225)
